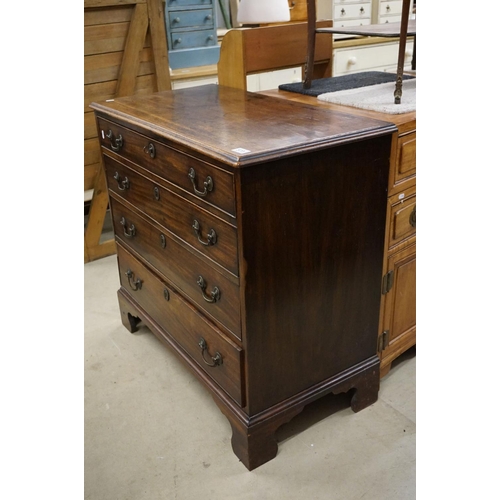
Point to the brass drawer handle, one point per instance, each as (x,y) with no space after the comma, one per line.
(208,184)
(215,360)
(118,141)
(214,295)
(122,185)
(130,232)
(413,217)
(134,284)
(150,150)
(211,236)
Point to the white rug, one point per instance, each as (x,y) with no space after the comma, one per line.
(377,97)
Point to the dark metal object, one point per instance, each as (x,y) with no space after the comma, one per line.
(214,295)
(211,235)
(134,284)
(215,360)
(163,241)
(118,141)
(150,150)
(156,193)
(122,185)
(166,294)
(387,282)
(130,232)
(208,184)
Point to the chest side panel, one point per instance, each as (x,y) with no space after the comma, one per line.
(313,238)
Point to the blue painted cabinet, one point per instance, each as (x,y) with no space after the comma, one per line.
(191,33)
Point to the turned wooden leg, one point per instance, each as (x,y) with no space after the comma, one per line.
(129,321)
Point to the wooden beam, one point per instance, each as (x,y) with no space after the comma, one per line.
(133,46)
(158,33)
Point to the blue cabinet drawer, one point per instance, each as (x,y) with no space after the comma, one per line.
(190,39)
(191,18)
(185,3)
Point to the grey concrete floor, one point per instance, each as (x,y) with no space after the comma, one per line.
(152,432)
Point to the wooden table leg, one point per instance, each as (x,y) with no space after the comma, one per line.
(311,42)
(402,48)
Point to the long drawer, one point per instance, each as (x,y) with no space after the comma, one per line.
(210,290)
(215,354)
(213,237)
(179,19)
(205,182)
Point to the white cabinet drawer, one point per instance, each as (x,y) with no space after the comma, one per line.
(391,8)
(380,57)
(352,11)
(350,22)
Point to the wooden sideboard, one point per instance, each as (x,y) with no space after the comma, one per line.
(397,328)
(250,234)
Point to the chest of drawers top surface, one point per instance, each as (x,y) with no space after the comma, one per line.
(235,127)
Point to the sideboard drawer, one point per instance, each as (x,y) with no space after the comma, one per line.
(406,159)
(220,358)
(220,298)
(350,11)
(403,216)
(189,39)
(190,18)
(204,181)
(390,8)
(175,214)
(184,3)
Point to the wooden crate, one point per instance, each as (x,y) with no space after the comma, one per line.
(125,53)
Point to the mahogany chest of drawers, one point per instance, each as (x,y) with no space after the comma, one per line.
(250,236)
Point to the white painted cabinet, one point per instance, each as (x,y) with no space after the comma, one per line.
(351,55)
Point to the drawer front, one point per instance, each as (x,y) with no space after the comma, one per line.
(364,58)
(349,23)
(220,298)
(350,11)
(207,183)
(213,238)
(191,39)
(406,160)
(403,216)
(185,3)
(184,324)
(391,8)
(190,18)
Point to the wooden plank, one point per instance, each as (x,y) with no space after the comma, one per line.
(91,151)
(89,126)
(134,44)
(158,34)
(104,249)
(99,92)
(97,211)
(105,67)
(105,38)
(108,15)
(231,68)
(265,48)
(89,175)
(109,3)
